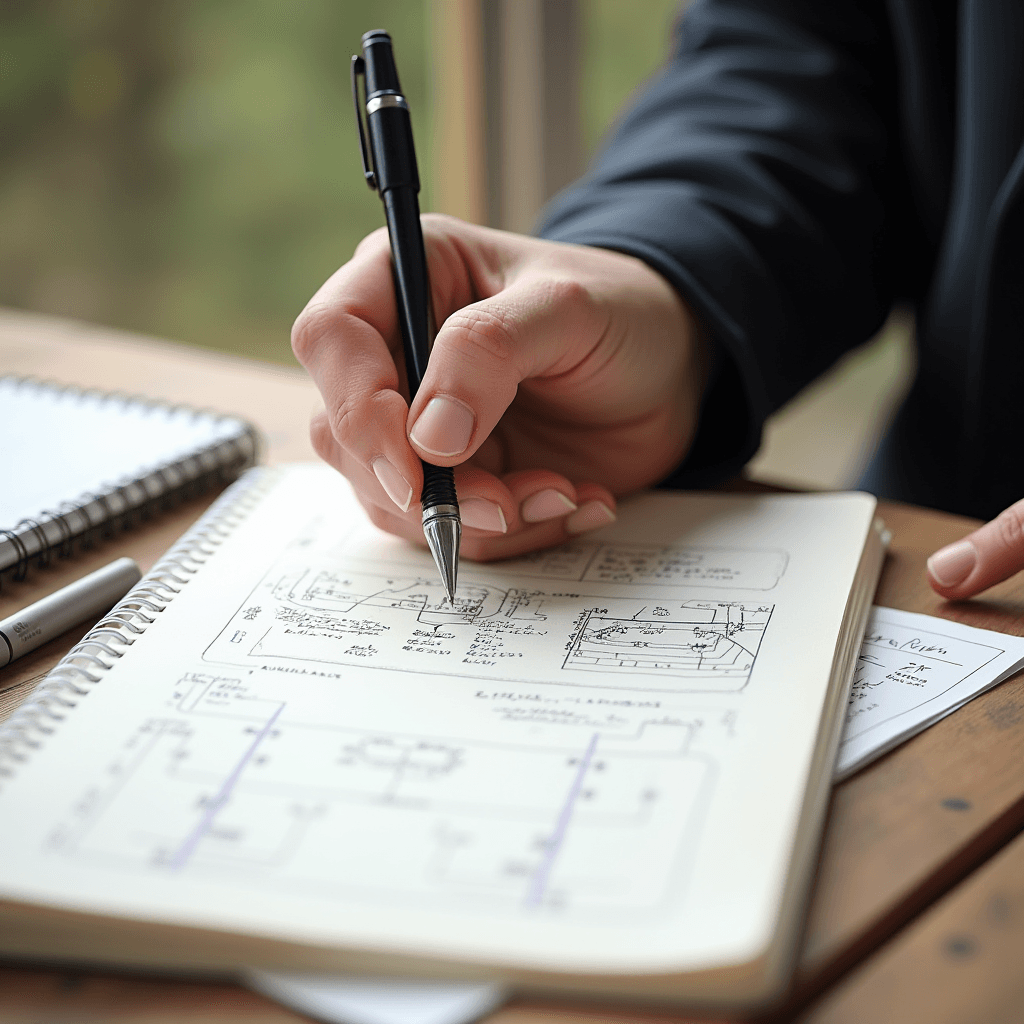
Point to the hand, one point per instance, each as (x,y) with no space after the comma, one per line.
(562,376)
(982,559)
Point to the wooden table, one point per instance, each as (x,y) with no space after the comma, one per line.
(918,905)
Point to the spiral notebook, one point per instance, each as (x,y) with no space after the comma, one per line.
(79,464)
(603,769)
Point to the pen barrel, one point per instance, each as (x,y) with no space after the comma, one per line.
(412,285)
(85,599)
(381,71)
(391,146)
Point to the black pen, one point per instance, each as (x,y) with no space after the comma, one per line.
(393,174)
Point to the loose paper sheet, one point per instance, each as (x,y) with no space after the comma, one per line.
(341,1000)
(914,670)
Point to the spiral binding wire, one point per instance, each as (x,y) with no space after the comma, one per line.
(83,666)
(129,500)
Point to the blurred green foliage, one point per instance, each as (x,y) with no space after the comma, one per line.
(624,43)
(189,168)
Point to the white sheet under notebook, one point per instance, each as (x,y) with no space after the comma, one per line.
(913,671)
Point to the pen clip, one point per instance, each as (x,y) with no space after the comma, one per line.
(359,68)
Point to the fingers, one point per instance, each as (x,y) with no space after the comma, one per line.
(484,351)
(345,338)
(596,509)
(348,339)
(988,556)
(521,512)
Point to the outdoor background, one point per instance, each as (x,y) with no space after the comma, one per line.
(190,168)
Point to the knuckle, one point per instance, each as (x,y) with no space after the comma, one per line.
(373,242)
(565,293)
(358,417)
(321,437)
(483,333)
(322,324)
(310,328)
(1010,527)
(439,223)
(345,421)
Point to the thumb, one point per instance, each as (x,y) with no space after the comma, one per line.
(988,556)
(485,350)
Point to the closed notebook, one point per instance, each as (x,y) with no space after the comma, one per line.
(603,769)
(78,464)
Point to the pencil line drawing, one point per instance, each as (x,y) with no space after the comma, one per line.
(231,784)
(652,565)
(372,619)
(713,643)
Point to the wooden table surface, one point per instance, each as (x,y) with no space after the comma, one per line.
(918,905)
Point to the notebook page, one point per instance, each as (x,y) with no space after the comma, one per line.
(595,760)
(60,444)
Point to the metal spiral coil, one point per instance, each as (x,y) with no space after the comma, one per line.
(85,664)
(93,517)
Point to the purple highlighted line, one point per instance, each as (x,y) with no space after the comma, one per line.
(539,881)
(188,847)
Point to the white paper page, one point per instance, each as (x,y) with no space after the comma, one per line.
(61,444)
(905,682)
(914,670)
(342,1000)
(596,760)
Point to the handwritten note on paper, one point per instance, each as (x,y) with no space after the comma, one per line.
(914,670)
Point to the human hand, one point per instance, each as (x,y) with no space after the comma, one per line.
(562,376)
(988,556)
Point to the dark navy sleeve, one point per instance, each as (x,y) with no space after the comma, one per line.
(753,174)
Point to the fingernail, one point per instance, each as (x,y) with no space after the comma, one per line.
(444,427)
(547,504)
(953,564)
(397,487)
(482,515)
(589,516)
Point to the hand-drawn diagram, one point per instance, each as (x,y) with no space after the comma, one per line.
(406,623)
(714,643)
(232,783)
(665,566)
(345,592)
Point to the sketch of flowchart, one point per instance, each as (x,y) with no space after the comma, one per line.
(380,620)
(656,565)
(228,784)
(334,591)
(713,644)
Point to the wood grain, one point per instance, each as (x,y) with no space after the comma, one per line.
(80,997)
(959,962)
(911,825)
(900,833)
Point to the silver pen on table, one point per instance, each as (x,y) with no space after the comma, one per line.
(87,598)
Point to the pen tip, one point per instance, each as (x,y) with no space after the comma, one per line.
(443,537)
